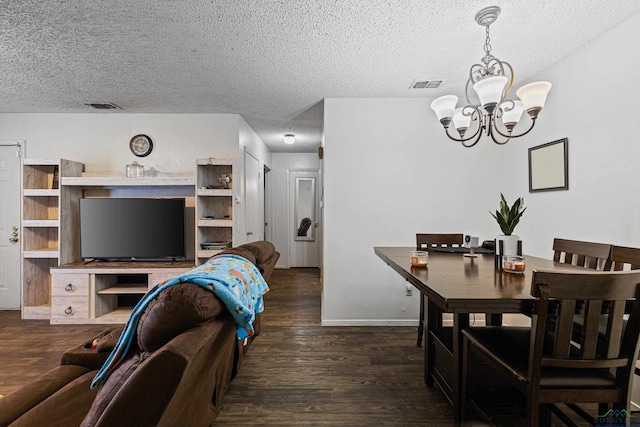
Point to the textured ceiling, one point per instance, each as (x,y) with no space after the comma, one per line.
(272,61)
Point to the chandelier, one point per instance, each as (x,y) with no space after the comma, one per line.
(496,116)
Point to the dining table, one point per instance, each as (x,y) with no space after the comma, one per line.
(466,287)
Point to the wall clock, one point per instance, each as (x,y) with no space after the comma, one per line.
(141,145)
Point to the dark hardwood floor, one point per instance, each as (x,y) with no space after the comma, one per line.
(29,348)
(300,373)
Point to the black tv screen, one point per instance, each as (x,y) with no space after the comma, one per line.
(132,228)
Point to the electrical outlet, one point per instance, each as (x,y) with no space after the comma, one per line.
(409,290)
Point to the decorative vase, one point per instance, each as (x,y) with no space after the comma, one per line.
(509,245)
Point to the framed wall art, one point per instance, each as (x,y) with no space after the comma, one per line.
(549,166)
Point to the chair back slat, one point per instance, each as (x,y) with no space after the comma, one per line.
(590,328)
(564,329)
(427,240)
(603,295)
(615,326)
(584,254)
(624,258)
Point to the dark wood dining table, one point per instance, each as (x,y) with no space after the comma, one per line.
(462,286)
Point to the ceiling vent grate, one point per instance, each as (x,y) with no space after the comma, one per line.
(425,84)
(103,105)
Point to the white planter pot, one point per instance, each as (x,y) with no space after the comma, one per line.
(509,245)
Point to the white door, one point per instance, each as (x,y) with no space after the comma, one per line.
(10,266)
(303,220)
(253,209)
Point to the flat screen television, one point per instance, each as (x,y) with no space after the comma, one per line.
(118,229)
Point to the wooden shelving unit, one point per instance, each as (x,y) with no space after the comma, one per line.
(214,206)
(105,292)
(46,230)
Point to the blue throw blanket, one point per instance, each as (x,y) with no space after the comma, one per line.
(232,278)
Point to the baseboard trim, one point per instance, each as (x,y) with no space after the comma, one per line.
(370,322)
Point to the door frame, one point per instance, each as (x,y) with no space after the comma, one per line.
(20,154)
(318,216)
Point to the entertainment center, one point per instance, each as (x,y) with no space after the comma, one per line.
(60,286)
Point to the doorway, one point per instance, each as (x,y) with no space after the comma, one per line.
(10,203)
(303,219)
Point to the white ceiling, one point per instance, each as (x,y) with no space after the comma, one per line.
(272,61)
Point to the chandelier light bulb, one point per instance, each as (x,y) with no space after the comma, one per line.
(444,107)
(533,96)
(490,91)
(461,121)
(511,113)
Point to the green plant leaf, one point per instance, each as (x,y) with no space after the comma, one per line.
(508,217)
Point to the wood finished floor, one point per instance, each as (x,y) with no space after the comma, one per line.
(296,373)
(299,373)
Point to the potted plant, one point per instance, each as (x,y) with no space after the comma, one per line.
(508,217)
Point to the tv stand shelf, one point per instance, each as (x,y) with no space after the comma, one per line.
(104,291)
(123,290)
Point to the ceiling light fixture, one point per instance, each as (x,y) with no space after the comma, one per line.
(289,138)
(492,84)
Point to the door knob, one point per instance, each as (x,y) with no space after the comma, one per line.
(14,235)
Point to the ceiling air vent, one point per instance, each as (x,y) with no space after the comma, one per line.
(425,84)
(103,105)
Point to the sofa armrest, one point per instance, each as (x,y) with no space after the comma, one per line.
(94,352)
(19,402)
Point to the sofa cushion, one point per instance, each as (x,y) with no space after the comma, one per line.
(175,310)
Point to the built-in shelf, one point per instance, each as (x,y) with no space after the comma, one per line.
(40,192)
(124,289)
(214,192)
(41,253)
(40,223)
(215,223)
(47,237)
(121,181)
(214,205)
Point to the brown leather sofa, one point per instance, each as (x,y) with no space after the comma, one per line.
(186,354)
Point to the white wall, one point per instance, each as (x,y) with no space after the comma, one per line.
(281,163)
(389,173)
(593,103)
(101,141)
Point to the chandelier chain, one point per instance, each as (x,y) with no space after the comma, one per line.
(487,41)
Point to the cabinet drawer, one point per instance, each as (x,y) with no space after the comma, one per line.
(70,307)
(69,284)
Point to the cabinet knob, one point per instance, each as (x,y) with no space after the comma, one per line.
(249,233)
(69,311)
(70,288)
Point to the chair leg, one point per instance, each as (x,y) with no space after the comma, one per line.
(421,321)
(533,408)
(464,392)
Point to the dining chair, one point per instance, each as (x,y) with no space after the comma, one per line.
(583,254)
(624,258)
(424,241)
(545,363)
